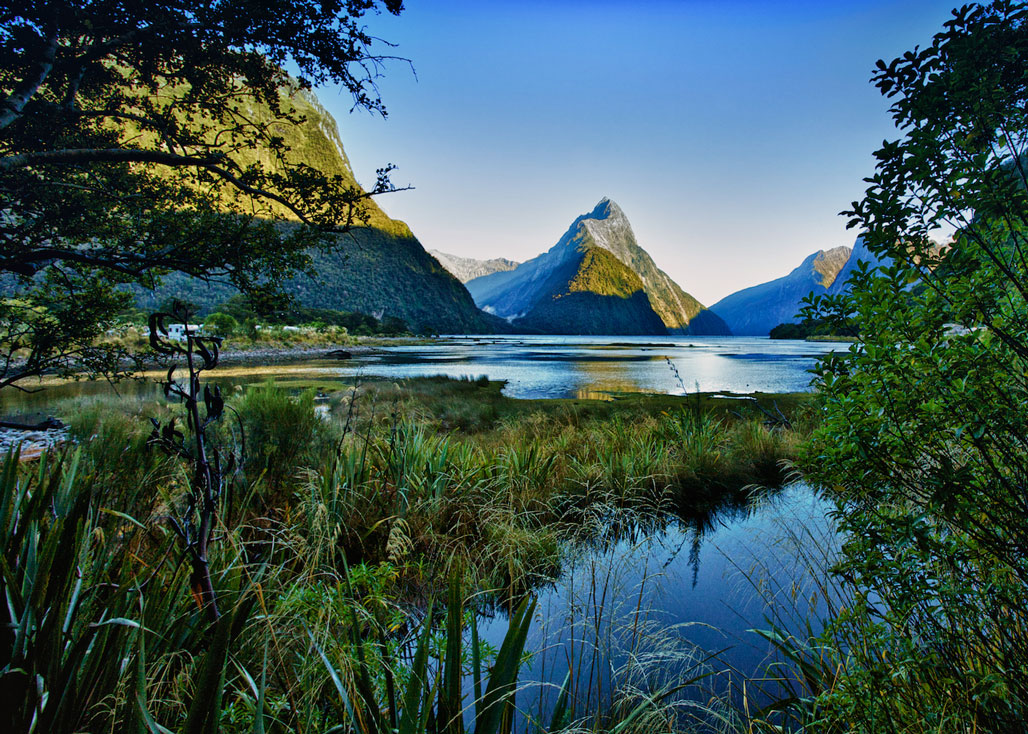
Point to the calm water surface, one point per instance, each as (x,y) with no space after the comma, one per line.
(583,366)
(678,602)
(534,367)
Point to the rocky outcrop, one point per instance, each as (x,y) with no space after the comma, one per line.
(468,268)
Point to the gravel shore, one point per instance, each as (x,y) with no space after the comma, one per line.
(275,355)
(32,443)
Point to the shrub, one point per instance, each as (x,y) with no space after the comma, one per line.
(923,440)
(220,324)
(282,433)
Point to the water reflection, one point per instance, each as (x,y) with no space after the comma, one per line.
(651,601)
(687,521)
(562,367)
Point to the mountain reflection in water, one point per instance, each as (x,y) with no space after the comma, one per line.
(648,600)
(562,367)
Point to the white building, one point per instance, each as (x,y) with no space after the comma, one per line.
(177,332)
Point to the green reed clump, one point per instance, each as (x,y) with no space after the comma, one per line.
(95,603)
(281,433)
(399,489)
(101,632)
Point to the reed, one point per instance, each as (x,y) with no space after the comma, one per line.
(340,536)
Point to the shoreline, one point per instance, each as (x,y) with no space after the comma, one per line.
(277,355)
(256,356)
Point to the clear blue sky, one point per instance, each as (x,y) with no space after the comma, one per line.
(731,133)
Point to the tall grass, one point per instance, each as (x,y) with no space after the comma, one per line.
(342,536)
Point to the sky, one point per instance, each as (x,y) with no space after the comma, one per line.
(731,132)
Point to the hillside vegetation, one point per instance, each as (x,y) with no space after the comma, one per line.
(379,267)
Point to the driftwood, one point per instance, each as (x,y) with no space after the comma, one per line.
(339,354)
(50,424)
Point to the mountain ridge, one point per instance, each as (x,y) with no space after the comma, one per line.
(515,293)
(469,268)
(755,310)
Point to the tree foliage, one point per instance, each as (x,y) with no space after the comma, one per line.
(141,138)
(924,443)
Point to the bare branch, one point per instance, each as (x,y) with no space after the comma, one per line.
(10,108)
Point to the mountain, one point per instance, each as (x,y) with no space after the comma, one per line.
(467,268)
(592,294)
(756,310)
(859,254)
(380,268)
(596,279)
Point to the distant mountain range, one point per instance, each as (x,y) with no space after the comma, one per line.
(595,280)
(756,310)
(467,268)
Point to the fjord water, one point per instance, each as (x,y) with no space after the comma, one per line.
(593,366)
(533,367)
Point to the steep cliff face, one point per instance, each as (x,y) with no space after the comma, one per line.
(379,268)
(592,294)
(468,268)
(517,293)
(756,310)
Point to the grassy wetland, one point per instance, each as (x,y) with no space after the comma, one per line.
(358,532)
(407,554)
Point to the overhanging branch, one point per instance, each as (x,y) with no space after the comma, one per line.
(10,108)
(76,156)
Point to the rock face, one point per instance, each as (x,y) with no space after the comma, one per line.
(756,310)
(380,268)
(467,268)
(595,280)
(859,254)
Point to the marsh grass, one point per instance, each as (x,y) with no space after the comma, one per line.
(336,538)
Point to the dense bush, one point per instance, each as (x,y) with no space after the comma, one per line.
(923,444)
(220,324)
(281,434)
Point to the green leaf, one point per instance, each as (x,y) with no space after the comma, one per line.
(505,670)
(204,712)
